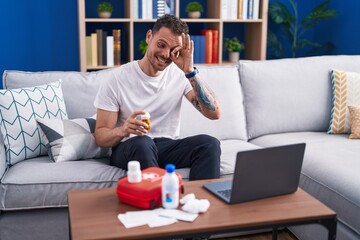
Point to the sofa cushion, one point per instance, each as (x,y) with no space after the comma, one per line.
(290,95)
(345,92)
(68,140)
(18,110)
(229,149)
(355,121)
(330,170)
(79,88)
(40,183)
(224,82)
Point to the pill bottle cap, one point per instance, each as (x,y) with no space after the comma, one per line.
(133,166)
(146,115)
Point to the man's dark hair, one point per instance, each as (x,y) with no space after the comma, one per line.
(171,22)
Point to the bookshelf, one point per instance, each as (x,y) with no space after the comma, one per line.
(253,32)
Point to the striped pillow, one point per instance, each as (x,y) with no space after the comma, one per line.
(68,140)
(345,92)
(355,121)
(18,110)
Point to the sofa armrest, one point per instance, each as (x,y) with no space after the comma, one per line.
(3,164)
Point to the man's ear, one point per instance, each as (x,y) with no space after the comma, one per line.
(148,36)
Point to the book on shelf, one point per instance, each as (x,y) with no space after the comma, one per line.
(248,9)
(232,9)
(94,50)
(202,49)
(240,8)
(170,7)
(145,9)
(215,46)
(208,45)
(245,9)
(152,9)
(138,9)
(224,9)
(250,14)
(104,45)
(117,46)
(99,35)
(229,9)
(197,49)
(256,9)
(158,8)
(148,8)
(104,60)
(110,51)
(135,9)
(88,51)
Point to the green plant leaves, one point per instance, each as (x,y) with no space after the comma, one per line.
(279,13)
(233,45)
(292,30)
(143,46)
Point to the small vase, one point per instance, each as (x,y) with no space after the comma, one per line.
(234,57)
(104,14)
(194,14)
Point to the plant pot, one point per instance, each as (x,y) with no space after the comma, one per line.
(234,57)
(194,14)
(104,14)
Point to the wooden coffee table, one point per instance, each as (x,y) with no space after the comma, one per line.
(93,215)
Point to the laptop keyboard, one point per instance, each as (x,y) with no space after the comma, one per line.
(226,193)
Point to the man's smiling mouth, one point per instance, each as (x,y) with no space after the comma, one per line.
(162,60)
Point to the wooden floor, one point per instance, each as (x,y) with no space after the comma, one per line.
(282,235)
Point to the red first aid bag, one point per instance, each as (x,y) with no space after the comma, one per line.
(147,193)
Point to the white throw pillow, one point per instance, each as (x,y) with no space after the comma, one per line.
(18,110)
(68,140)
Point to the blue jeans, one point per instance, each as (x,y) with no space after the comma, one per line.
(201,153)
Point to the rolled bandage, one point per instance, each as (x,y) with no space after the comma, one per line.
(196,205)
(186,198)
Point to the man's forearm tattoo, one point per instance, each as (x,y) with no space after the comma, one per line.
(204,96)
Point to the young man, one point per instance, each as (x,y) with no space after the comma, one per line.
(156,84)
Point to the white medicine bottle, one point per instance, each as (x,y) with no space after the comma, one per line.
(134,172)
(170,188)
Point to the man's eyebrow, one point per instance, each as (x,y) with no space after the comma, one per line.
(167,44)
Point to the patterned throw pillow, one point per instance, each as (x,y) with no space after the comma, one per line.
(346,92)
(68,140)
(355,121)
(18,110)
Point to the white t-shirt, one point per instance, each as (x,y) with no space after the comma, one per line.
(131,90)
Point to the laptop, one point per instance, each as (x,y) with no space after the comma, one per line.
(262,173)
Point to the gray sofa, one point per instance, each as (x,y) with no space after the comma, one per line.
(265,103)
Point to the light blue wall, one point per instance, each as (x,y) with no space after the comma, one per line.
(42,35)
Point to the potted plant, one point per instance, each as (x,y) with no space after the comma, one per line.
(194,9)
(104,9)
(234,47)
(143,46)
